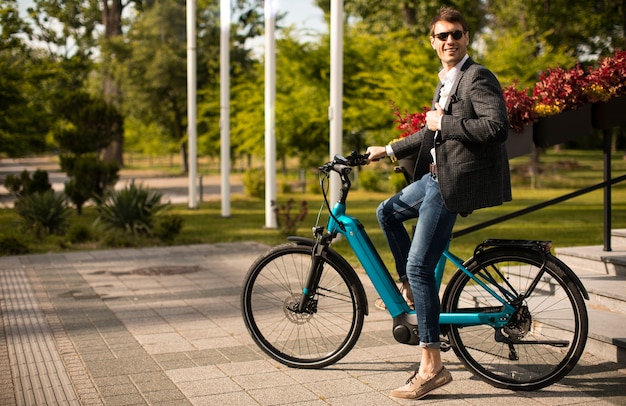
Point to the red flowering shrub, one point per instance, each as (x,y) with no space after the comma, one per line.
(609,78)
(409,123)
(519,106)
(558,90)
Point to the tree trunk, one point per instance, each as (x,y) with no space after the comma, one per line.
(184,158)
(410,15)
(112,21)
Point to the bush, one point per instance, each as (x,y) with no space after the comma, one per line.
(285,187)
(370,181)
(168,227)
(79,234)
(89,178)
(313,187)
(254,183)
(40,182)
(397,182)
(119,239)
(23,185)
(10,245)
(43,213)
(132,209)
(287,220)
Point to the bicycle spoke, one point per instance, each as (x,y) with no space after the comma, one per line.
(544,338)
(321,334)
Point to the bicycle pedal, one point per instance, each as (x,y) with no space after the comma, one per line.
(445,346)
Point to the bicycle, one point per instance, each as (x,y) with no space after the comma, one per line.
(513,313)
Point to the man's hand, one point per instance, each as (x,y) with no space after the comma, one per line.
(433,118)
(376,153)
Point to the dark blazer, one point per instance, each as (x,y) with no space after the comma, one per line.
(472,163)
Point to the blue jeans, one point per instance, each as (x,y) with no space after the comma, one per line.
(416,260)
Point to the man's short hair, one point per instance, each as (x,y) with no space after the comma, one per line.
(450,15)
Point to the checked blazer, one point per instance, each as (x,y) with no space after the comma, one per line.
(472,163)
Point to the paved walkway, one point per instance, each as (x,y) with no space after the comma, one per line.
(162,326)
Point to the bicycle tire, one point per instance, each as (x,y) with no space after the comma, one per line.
(275,282)
(554,312)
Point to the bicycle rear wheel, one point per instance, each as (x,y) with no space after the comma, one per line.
(544,339)
(312,339)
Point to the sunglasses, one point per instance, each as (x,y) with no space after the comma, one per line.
(443,36)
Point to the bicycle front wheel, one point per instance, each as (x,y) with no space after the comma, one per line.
(542,342)
(318,337)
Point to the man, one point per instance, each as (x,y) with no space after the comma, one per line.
(461,166)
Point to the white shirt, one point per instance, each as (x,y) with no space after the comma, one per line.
(447,79)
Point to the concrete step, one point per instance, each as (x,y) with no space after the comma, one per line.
(606,309)
(595,259)
(604,276)
(607,335)
(605,292)
(618,239)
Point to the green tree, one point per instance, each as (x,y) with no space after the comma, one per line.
(149,139)
(582,27)
(519,58)
(111,19)
(89,177)
(153,70)
(23,120)
(12,26)
(406,15)
(86,126)
(302,99)
(391,67)
(247,129)
(377,68)
(153,65)
(246,81)
(79,30)
(67,28)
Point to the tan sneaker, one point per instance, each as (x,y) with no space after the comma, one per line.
(407,294)
(417,388)
(380,304)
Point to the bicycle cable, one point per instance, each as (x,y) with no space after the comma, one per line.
(354,159)
(325,202)
(319,212)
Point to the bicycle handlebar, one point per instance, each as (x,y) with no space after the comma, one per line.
(341,163)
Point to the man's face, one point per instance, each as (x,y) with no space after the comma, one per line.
(450,50)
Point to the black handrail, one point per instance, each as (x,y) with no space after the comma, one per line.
(536,207)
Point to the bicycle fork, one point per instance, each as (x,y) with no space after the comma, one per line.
(308,303)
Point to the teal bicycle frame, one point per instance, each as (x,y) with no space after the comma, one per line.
(355,234)
(513,313)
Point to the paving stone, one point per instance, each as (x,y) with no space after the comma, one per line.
(111,336)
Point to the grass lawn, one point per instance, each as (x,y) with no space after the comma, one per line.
(571,223)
